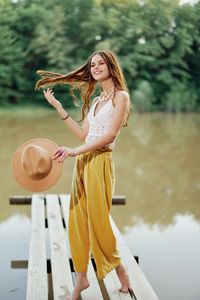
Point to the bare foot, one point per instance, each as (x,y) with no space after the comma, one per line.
(124,279)
(82,283)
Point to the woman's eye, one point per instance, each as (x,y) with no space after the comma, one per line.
(100,63)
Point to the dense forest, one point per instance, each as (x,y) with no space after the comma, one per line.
(157,43)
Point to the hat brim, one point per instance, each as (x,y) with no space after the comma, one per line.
(21,176)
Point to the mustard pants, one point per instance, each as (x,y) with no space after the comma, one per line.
(89,225)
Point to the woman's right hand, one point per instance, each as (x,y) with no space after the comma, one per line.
(51,99)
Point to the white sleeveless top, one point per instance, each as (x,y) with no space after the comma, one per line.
(99,124)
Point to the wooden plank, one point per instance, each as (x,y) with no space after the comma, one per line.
(65,201)
(113,285)
(93,292)
(23,264)
(21,200)
(37,287)
(142,288)
(61,272)
(19,264)
(119,199)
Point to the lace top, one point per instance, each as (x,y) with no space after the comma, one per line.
(100,122)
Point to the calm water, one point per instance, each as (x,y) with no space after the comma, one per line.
(157,162)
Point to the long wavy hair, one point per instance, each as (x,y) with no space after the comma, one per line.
(82,79)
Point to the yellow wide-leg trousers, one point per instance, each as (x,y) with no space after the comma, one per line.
(89,225)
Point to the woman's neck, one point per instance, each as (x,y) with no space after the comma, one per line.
(107,85)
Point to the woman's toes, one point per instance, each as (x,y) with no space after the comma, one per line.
(123,290)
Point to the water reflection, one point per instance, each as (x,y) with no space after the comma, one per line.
(15,234)
(157,167)
(169,256)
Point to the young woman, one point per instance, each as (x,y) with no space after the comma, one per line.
(93,178)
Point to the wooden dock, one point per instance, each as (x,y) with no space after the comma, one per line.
(50,267)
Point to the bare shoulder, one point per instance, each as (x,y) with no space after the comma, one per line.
(122,97)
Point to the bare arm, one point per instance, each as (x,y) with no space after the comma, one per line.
(122,104)
(79,131)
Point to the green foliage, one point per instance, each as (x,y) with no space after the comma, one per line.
(157,43)
(143,97)
(181,98)
(11,58)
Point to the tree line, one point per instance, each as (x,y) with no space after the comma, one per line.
(157,43)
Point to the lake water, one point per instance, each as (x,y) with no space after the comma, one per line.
(157,162)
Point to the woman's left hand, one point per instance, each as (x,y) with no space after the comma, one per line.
(63,152)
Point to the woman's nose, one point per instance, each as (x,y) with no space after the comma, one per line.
(96,68)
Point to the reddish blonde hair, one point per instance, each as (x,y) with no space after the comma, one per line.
(82,79)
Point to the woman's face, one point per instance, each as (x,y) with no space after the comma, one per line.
(98,68)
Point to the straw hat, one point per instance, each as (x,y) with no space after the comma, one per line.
(33,165)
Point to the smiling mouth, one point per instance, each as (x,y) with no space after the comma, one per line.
(97,72)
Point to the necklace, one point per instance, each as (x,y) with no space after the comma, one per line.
(106,95)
